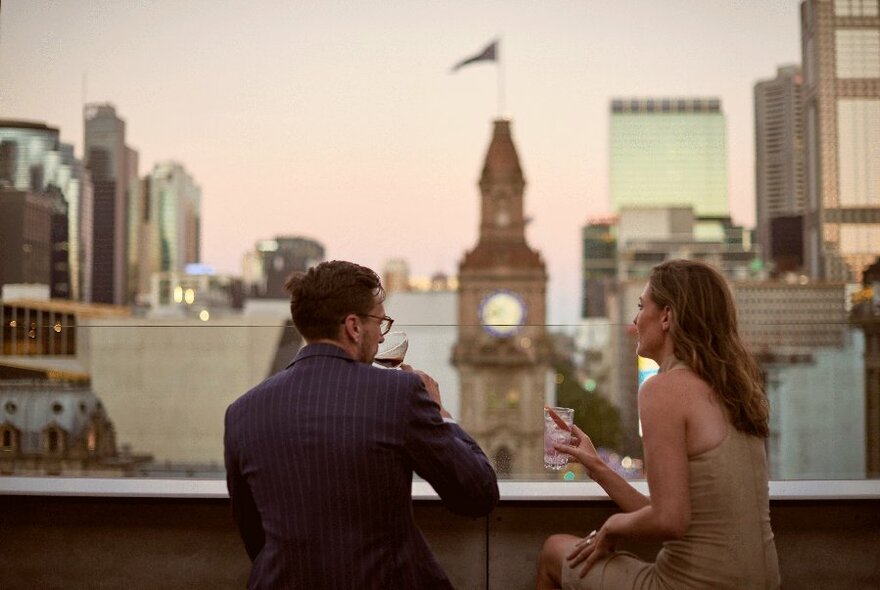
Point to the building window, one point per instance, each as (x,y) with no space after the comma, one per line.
(92,440)
(859,238)
(53,441)
(857,53)
(7,438)
(856,7)
(858,132)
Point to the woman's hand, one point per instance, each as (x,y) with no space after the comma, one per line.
(581,450)
(590,549)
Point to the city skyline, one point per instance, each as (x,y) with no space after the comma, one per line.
(289,115)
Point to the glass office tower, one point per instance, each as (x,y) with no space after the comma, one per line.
(32,158)
(668,152)
(175,218)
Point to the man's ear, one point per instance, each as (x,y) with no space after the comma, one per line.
(352,330)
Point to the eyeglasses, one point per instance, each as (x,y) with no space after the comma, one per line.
(385,322)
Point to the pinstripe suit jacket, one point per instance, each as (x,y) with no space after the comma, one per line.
(319,461)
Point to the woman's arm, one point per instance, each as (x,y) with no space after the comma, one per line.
(618,489)
(662,409)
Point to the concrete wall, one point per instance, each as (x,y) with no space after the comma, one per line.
(53,542)
(166,383)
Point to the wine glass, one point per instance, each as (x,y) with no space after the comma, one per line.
(392,350)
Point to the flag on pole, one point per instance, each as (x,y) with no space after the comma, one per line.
(490,53)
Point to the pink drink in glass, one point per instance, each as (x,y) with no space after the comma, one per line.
(554,433)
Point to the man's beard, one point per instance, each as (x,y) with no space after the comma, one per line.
(366,352)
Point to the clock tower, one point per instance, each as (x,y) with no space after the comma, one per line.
(503,352)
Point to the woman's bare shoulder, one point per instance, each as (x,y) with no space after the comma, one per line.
(662,392)
(676,386)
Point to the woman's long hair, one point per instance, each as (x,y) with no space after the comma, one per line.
(704,332)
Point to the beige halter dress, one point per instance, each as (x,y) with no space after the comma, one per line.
(729,543)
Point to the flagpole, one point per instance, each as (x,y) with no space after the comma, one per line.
(500,80)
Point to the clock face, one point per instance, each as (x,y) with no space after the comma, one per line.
(502,313)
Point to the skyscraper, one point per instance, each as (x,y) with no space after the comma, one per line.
(107,158)
(779,164)
(840,42)
(669,152)
(174,213)
(599,266)
(33,159)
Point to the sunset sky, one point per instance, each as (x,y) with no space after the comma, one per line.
(341,121)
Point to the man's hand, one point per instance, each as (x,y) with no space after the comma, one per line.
(432,387)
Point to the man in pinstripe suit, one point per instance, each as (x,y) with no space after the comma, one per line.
(320,456)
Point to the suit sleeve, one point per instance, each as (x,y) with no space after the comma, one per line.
(244,509)
(449,459)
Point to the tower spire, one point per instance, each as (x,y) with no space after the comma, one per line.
(502,220)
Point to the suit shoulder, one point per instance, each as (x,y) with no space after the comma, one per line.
(390,376)
(258,390)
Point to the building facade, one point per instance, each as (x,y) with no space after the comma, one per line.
(51,420)
(503,353)
(25,237)
(669,152)
(598,266)
(170,221)
(840,42)
(32,158)
(56,428)
(779,162)
(395,275)
(812,364)
(107,159)
(646,236)
(267,268)
(24,147)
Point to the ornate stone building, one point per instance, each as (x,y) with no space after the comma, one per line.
(503,352)
(52,427)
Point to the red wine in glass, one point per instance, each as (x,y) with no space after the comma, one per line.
(392,350)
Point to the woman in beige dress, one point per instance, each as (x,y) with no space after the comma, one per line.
(704,422)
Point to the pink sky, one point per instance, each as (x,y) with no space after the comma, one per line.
(340,121)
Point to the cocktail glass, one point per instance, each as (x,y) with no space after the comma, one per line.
(554,432)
